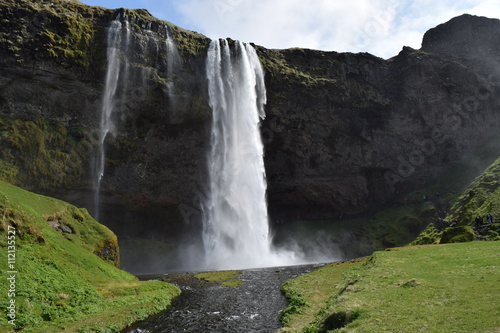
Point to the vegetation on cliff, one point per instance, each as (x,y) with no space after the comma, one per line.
(482,197)
(37,154)
(70,33)
(59,30)
(336,125)
(54,60)
(66,279)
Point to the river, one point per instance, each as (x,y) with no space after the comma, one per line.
(209,307)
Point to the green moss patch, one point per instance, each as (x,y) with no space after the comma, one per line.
(458,235)
(481,198)
(227,278)
(61,31)
(217,276)
(42,155)
(61,282)
(232,283)
(491,232)
(431,235)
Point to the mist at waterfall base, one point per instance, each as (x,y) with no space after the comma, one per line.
(156,239)
(234,231)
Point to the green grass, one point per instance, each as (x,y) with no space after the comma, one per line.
(434,288)
(232,283)
(309,292)
(62,285)
(227,278)
(217,276)
(480,198)
(441,288)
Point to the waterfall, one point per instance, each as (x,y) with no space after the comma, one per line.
(235,222)
(173,57)
(118,40)
(173,66)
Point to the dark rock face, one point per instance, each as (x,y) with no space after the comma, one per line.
(356,129)
(465,36)
(343,131)
(160,139)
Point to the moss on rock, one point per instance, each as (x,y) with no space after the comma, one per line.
(43,155)
(480,198)
(431,235)
(491,232)
(458,235)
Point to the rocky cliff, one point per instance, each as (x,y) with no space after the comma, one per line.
(343,131)
(347,130)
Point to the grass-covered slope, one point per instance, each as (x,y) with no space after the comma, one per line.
(309,292)
(66,278)
(480,198)
(434,288)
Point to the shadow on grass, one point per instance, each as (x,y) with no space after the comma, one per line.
(339,320)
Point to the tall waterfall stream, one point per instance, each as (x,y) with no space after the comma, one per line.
(235,224)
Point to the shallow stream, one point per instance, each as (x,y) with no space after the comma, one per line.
(209,307)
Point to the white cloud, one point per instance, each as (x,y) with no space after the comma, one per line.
(380,27)
(488,8)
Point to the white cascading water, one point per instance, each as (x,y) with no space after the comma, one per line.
(116,33)
(173,59)
(236,230)
(173,65)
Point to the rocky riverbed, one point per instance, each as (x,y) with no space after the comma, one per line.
(204,306)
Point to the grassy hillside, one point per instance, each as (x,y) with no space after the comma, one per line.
(434,288)
(65,277)
(480,198)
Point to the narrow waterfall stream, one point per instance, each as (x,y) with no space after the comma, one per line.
(117,70)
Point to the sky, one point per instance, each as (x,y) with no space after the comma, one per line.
(379,27)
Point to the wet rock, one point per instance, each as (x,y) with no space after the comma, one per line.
(110,253)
